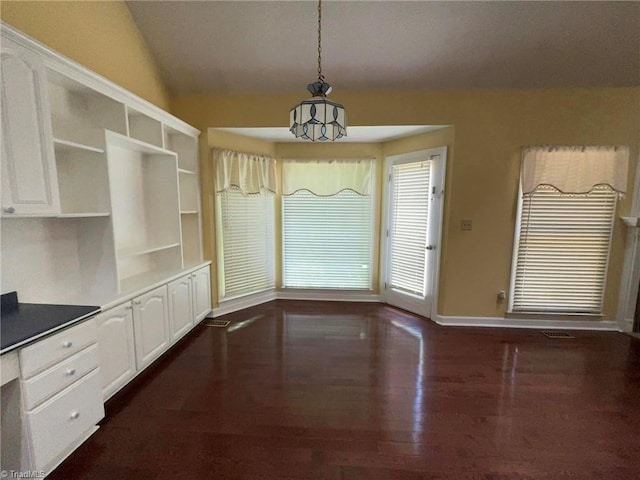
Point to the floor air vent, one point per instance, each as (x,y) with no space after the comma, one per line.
(210,322)
(556,334)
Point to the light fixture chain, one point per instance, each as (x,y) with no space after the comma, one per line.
(318,118)
(320,77)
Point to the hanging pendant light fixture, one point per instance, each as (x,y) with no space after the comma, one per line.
(318,118)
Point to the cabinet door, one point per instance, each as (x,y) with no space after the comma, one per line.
(150,325)
(201,293)
(116,348)
(180,307)
(29,180)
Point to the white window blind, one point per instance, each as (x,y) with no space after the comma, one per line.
(563,251)
(410,186)
(246,243)
(327,240)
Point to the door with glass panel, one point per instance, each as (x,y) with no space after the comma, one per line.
(414,197)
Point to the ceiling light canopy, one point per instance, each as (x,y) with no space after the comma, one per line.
(318,118)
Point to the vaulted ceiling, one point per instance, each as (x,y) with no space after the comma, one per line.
(223,47)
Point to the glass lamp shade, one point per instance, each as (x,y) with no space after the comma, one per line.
(318,118)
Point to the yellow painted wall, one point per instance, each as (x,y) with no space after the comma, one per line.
(489,129)
(100,35)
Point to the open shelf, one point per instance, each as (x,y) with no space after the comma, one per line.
(144,128)
(191,246)
(143,182)
(81,115)
(185,146)
(188,192)
(143,280)
(139,271)
(83,181)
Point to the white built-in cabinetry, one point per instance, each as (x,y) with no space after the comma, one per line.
(202,292)
(100,206)
(133,334)
(151,325)
(28,166)
(181,310)
(117,348)
(146,212)
(103,184)
(61,396)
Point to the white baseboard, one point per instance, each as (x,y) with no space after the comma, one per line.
(230,306)
(241,303)
(526,323)
(329,295)
(626,325)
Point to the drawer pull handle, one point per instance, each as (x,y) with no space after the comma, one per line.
(67,344)
(9,210)
(71,372)
(74,415)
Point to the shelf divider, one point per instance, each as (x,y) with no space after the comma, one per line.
(67,146)
(130,252)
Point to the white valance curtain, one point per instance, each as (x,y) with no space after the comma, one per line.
(325,178)
(574,169)
(246,172)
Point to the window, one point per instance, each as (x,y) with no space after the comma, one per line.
(562,245)
(327,215)
(410,194)
(562,251)
(245,243)
(245,188)
(566,216)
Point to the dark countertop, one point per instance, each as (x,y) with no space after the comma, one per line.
(22,323)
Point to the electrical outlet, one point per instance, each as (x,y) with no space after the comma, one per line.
(502,295)
(466,224)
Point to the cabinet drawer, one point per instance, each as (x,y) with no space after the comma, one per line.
(56,424)
(51,350)
(48,383)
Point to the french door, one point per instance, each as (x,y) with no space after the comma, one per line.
(413,219)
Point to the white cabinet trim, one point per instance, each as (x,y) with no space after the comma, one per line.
(66,66)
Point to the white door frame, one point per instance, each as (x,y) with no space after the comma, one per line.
(438,181)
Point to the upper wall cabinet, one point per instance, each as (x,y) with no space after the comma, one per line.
(29,184)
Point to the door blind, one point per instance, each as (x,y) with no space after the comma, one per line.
(563,251)
(246,242)
(327,240)
(410,185)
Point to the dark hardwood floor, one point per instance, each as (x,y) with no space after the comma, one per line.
(338,391)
